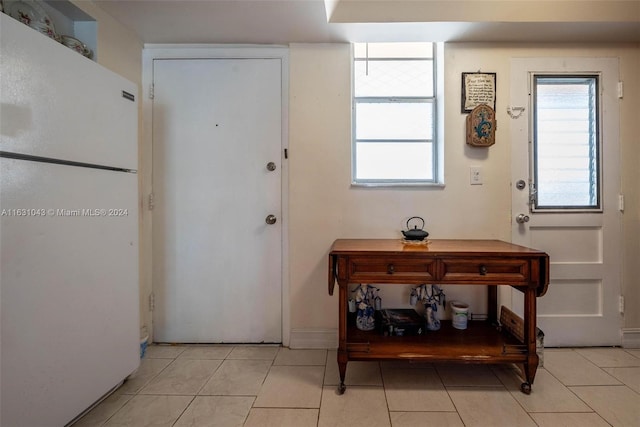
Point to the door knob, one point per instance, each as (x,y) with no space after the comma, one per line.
(271,166)
(270,219)
(522,218)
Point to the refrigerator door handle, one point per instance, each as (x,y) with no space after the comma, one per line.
(18,156)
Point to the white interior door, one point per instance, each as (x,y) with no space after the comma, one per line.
(565,153)
(217,263)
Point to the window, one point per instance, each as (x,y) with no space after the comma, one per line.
(566,142)
(394,114)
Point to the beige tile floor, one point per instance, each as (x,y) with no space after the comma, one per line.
(270,386)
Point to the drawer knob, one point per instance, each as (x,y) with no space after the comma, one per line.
(483,270)
(390,269)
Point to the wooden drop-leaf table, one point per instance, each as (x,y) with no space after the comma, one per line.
(490,263)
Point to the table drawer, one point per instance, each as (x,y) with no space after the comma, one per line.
(485,270)
(390,269)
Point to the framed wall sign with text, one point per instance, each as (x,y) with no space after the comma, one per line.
(477,89)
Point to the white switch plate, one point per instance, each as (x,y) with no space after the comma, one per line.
(475,175)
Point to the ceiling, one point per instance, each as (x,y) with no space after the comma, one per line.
(319,21)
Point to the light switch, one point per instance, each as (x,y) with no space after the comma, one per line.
(475,175)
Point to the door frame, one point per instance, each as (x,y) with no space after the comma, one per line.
(152,52)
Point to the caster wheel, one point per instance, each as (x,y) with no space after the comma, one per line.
(341,388)
(525,388)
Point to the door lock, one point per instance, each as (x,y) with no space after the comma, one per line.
(521,184)
(270,219)
(522,218)
(271,166)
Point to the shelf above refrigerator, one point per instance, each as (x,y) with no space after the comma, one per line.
(60,20)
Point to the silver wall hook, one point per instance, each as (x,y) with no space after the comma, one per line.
(515,112)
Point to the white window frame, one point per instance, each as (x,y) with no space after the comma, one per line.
(535,207)
(438,127)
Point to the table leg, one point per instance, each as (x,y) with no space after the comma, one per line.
(492,304)
(342,368)
(531,364)
(343,357)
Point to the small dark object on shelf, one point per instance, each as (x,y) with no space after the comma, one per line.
(415,233)
(400,322)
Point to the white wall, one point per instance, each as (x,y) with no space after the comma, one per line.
(323,206)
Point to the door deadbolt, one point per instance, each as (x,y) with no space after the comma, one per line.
(521,184)
(270,219)
(271,166)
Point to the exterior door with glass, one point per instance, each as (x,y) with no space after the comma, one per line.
(565,192)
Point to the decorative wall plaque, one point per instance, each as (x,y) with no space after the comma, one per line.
(478,88)
(481,126)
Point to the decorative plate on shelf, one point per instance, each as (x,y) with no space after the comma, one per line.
(75,44)
(33,15)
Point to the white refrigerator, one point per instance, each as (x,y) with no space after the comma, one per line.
(69,293)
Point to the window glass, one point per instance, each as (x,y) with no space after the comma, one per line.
(394,78)
(392,50)
(394,121)
(381,161)
(566,142)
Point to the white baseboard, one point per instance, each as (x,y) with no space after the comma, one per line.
(313,338)
(631,337)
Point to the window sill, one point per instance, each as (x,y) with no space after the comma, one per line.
(435,185)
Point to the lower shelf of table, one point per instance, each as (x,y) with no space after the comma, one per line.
(481,342)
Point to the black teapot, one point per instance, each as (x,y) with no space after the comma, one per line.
(415,233)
